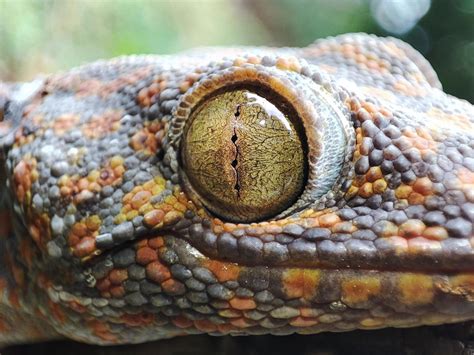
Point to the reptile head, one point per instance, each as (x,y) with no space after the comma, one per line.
(243,191)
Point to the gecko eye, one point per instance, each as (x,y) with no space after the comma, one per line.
(250,143)
(245,154)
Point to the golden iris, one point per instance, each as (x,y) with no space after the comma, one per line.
(244,156)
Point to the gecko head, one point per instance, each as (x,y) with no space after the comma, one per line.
(254,194)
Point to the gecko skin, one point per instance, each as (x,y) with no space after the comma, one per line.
(236,191)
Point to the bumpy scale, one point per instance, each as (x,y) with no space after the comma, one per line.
(108,236)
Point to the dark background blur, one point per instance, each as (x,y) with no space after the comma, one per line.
(45,36)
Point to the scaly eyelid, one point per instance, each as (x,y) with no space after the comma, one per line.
(319,104)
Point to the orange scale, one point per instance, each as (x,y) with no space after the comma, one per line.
(184,86)
(295,66)
(222,270)
(282,64)
(156,242)
(372,322)
(379,186)
(241,322)
(4,326)
(374,173)
(403,191)
(386,112)
(370,107)
(411,228)
(218,229)
(415,289)
(229,227)
(137,320)
(57,312)
(141,243)
(153,89)
(172,286)
(423,245)
(172,217)
(302,322)
(182,322)
(93,222)
(65,191)
(157,272)
(309,222)
(182,198)
(344,227)
(101,330)
(254,60)
(146,255)
(301,283)
(153,218)
(205,326)
(73,240)
(465,176)
(353,190)
(242,303)
(410,133)
(328,220)
(94,187)
(400,244)
(226,328)
(180,207)
(416,199)
(360,58)
(84,247)
(310,312)
(139,199)
(165,208)
(79,229)
(83,184)
(436,233)
(103,284)
(14,299)
(117,276)
(360,290)
(372,64)
(272,229)
(239,61)
(149,185)
(117,291)
(144,209)
(463,284)
(366,190)
(142,94)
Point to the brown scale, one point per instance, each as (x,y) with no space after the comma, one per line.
(80,188)
(81,238)
(100,125)
(149,139)
(65,123)
(25,174)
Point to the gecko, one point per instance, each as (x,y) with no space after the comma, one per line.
(241,191)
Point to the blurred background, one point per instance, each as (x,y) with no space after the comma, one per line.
(49,35)
(45,36)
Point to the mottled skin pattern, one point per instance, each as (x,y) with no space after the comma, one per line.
(102,239)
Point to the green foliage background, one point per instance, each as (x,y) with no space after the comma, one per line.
(44,36)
